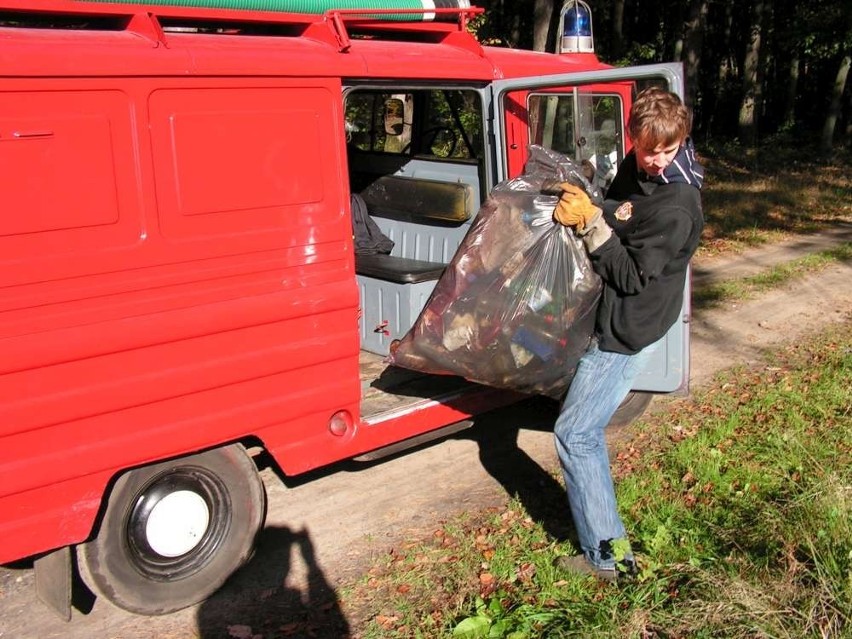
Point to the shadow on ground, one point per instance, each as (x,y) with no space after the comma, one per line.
(521,476)
(261,599)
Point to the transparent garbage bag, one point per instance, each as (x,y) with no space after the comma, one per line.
(515,308)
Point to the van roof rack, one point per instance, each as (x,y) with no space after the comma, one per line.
(441,11)
(335,26)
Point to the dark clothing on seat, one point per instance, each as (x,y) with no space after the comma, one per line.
(369,239)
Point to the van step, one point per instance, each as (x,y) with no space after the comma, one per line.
(387,451)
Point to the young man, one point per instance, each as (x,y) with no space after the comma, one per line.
(640,244)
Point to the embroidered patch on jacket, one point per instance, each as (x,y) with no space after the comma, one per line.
(624,212)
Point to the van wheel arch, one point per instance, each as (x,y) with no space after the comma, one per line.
(174,531)
(631,408)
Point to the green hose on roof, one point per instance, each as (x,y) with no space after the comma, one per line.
(310,6)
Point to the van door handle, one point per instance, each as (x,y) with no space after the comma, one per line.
(32,134)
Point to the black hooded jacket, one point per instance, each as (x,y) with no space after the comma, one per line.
(657,224)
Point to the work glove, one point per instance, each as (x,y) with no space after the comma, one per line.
(574,207)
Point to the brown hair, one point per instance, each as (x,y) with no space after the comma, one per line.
(658,117)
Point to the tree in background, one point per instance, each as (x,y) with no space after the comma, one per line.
(542,13)
(752,70)
(690,47)
(752,78)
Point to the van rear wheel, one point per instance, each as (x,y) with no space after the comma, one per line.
(173,532)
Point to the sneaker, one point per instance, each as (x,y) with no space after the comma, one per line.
(579,565)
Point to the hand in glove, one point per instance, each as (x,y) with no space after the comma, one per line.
(574,207)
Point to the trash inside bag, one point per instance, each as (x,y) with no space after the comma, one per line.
(515,308)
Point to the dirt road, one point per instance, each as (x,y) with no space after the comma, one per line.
(325,529)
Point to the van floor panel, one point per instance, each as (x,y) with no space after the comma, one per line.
(386,388)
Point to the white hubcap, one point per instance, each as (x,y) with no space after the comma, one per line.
(177,523)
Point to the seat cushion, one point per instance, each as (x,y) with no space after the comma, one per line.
(419,199)
(398,269)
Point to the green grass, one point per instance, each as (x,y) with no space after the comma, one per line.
(739,502)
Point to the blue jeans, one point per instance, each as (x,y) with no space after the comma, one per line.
(601,383)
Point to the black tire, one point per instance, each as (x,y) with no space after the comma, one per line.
(631,408)
(173,532)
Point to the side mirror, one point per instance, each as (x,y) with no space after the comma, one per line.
(394,121)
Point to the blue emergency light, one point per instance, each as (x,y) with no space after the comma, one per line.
(575,25)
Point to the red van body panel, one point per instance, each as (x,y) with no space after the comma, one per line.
(162,294)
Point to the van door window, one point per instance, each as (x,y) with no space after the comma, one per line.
(582,125)
(552,122)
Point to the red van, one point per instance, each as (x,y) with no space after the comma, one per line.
(179,286)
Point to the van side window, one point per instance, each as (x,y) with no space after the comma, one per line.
(453,126)
(436,123)
(379,121)
(585,126)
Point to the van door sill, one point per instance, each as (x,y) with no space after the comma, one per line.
(389,389)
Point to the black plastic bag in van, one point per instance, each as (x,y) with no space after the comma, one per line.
(515,308)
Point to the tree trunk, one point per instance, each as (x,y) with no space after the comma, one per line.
(847,133)
(789,118)
(693,44)
(749,106)
(542,11)
(617,28)
(713,90)
(834,107)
